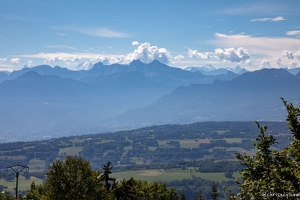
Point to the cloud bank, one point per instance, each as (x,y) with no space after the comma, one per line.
(233,55)
(226,55)
(195,54)
(290,54)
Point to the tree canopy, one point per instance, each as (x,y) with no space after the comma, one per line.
(74,179)
(272,173)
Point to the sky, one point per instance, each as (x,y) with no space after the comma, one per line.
(253,34)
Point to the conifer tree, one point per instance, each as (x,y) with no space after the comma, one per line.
(214,192)
(272,173)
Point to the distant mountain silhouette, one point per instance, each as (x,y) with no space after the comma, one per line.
(49,104)
(58,102)
(3,75)
(155,71)
(251,96)
(48,70)
(209,70)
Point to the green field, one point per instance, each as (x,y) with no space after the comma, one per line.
(165,176)
(143,175)
(36,164)
(184,143)
(23,183)
(70,151)
(12,157)
(232,140)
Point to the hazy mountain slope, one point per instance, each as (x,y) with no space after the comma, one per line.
(209,70)
(48,70)
(251,96)
(3,75)
(129,90)
(49,103)
(155,71)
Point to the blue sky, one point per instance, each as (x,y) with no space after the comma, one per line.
(73,34)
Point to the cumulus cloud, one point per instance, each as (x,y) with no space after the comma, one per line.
(30,63)
(297,33)
(288,54)
(278,62)
(265,64)
(195,54)
(179,57)
(99,58)
(233,55)
(135,43)
(121,59)
(259,45)
(293,65)
(15,61)
(276,19)
(53,60)
(146,53)
(76,58)
(2,60)
(297,55)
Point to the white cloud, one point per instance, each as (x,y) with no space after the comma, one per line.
(293,64)
(99,58)
(195,54)
(147,53)
(121,59)
(293,33)
(276,19)
(135,43)
(30,63)
(288,54)
(144,52)
(179,57)
(53,59)
(260,47)
(2,60)
(241,35)
(76,58)
(278,62)
(232,55)
(15,61)
(297,55)
(265,64)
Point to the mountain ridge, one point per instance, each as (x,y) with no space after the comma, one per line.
(114,97)
(213,102)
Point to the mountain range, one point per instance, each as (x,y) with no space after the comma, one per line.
(44,101)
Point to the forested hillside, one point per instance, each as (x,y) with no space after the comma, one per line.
(187,153)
